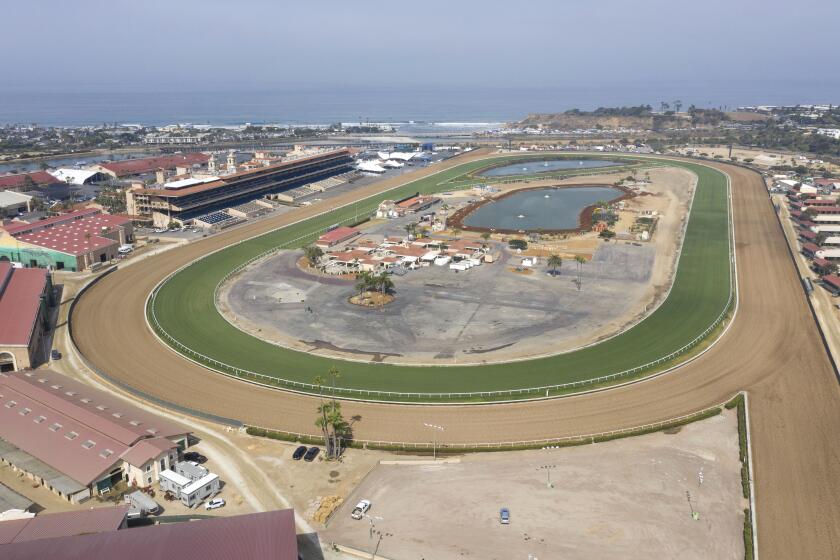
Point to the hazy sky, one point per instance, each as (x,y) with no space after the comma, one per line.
(194,45)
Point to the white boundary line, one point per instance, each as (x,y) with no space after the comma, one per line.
(668,357)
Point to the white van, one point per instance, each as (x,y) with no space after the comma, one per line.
(125,249)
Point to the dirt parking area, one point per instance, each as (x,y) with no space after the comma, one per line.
(629,498)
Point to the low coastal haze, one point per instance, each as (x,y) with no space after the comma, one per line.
(260,61)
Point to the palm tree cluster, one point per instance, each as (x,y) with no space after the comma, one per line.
(330,419)
(369,282)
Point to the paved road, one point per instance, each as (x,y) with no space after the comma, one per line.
(772,350)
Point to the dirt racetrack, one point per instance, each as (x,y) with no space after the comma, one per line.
(772,350)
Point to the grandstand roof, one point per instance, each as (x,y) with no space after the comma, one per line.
(228,179)
(147,165)
(20,300)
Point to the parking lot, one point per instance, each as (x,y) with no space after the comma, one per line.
(630,498)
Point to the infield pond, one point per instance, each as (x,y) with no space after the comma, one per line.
(548,209)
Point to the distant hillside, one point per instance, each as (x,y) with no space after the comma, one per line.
(614,118)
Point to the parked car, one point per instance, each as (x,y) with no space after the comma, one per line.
(504,516)
(214,504)
(299,453)
(311,454)
(55,355)
(194,457)
(361,509)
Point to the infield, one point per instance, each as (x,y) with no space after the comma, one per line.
(183,308)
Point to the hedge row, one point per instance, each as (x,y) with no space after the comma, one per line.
(453,449)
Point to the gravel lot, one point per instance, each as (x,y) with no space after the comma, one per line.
(622,499)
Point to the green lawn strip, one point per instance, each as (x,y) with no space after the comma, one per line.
(185,308)
(743,453)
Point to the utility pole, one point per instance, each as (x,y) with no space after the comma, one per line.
(547,469)
(434,440)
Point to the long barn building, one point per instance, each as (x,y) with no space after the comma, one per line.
(189,198)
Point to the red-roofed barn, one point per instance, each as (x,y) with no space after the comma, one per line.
(26,295)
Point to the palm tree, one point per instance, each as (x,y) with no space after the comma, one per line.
(555,262)
(485,236)
(411,229)
(580,262)
(383,282)
(313,254)
(334,376)
(338,426)
(364,281)
(321,422)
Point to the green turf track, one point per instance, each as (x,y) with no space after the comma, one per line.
(184,308)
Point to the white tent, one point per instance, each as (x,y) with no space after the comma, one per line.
(370,167)
(73,176)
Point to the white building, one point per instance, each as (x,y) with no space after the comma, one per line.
(13,203)
(190,492)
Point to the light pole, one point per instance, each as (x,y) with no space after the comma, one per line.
(436,429)
(547,469)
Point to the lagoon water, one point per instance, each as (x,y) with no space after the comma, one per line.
(547,209)
(544,166)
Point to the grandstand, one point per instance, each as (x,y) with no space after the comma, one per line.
(217,220)
(292,195)
(250,209)
(183,202)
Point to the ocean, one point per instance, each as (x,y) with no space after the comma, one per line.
(325,105)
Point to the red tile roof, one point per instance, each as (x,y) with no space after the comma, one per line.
(38,177)
(20,301)
(22,227)
(257,536)
(66,524)
(807,234)
(76,233)
(832,280)
(148,165)
(338,234)
(810,247)
(822,262)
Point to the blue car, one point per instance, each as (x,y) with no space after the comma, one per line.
(504,516)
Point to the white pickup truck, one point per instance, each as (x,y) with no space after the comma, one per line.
(361,509)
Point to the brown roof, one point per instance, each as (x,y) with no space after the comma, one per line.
(67,524)
(257,536)
(20,301)
(147,450)
(147,165)
(79,431)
